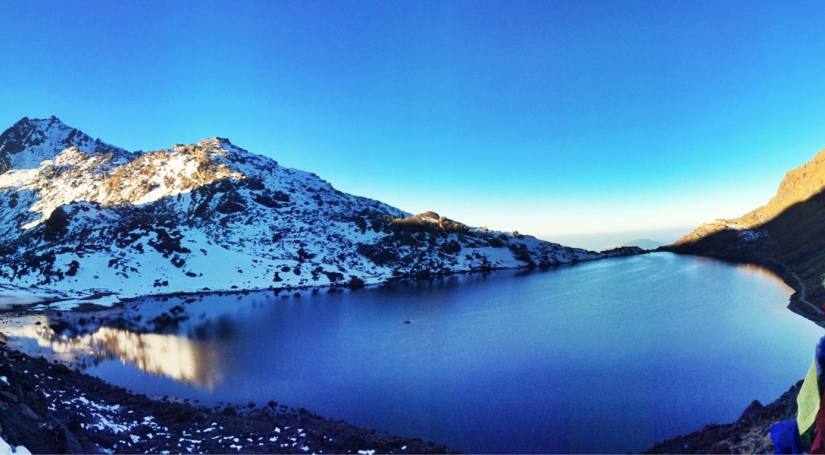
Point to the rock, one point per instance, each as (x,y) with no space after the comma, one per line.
(752,411)
(27,411)
(8,397)
(67,440)
(356,283)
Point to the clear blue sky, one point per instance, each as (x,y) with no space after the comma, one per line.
(546,117)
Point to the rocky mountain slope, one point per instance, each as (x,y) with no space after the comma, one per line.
(787,235)
(79,217)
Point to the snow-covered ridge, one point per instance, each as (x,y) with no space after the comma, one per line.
(79,216)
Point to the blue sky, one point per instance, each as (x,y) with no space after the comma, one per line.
(548,117)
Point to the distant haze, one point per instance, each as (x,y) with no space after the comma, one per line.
(603,241)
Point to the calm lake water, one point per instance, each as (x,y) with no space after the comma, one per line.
(612,355)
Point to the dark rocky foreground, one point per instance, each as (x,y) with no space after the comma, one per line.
(49,408)
(749,434)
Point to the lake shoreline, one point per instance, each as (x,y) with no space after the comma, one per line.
(93,319)
(798,301)
(750,433)
(107,299)
(50,408)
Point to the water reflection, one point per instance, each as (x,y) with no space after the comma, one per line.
(177,357)
(764,273)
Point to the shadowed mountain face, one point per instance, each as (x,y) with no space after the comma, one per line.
(78,216)
(787,235)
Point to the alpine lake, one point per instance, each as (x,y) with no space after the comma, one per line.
(606,356)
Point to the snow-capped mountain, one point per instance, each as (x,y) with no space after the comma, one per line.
(79,216)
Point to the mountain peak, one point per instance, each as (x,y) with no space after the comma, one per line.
(28,132)
(216,141)
(32,140)
(41,124)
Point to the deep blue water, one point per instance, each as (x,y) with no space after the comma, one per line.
(612,355)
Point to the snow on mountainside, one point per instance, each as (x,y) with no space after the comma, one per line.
(79,216)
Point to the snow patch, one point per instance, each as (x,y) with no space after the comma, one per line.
(7,449)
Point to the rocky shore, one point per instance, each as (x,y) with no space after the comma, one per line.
(749,434)
(49,408)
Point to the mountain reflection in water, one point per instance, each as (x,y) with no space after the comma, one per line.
(765,273)
(192,361)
